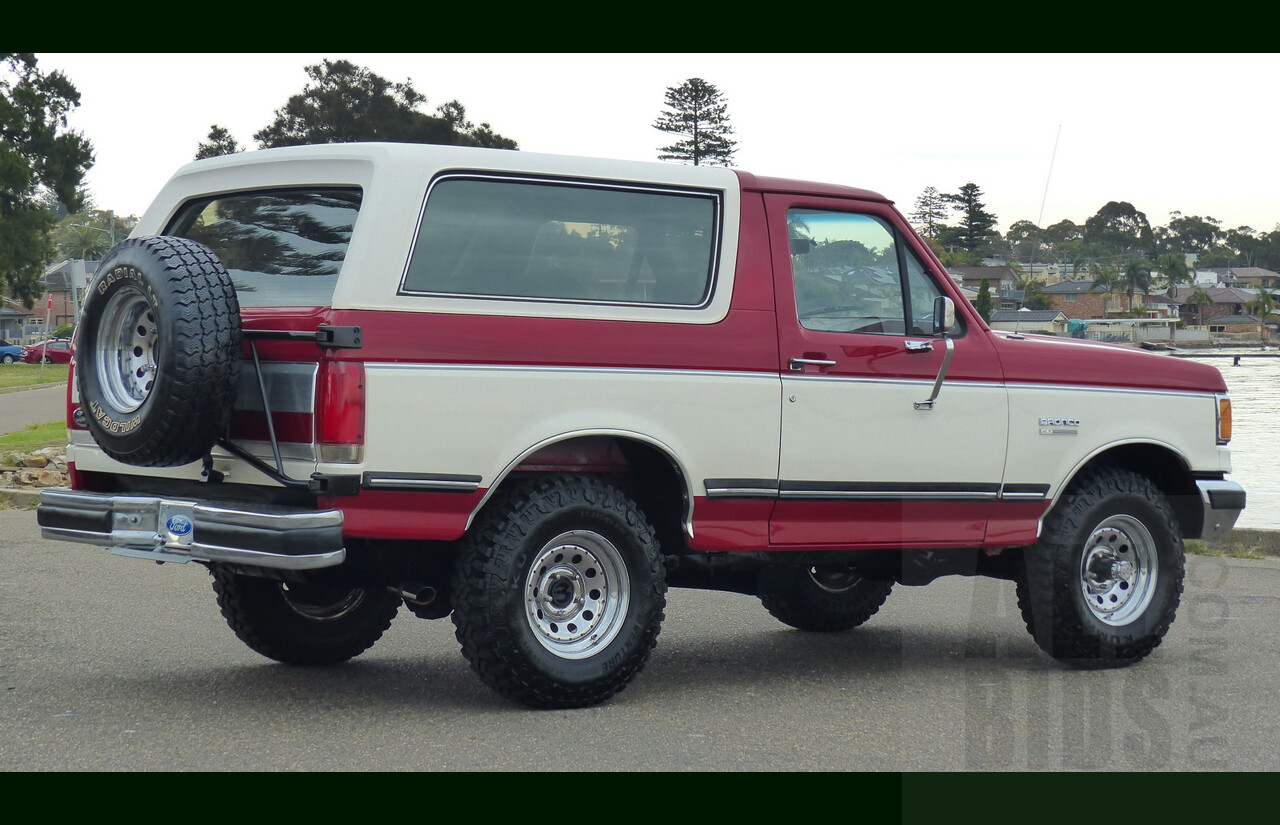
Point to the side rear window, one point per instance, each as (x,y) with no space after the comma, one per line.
(282,247)
(575,242)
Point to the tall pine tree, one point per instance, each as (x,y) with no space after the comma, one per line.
(976,224)
(931,209)
(698,112)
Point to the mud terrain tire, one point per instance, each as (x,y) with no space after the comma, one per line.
(821,599)
(303,624)
(1102,586)
(559,592)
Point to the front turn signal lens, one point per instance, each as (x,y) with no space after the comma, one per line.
(1224,419)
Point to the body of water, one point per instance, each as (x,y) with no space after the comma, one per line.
(1255,404)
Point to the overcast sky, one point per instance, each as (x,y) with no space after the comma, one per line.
(1045,137)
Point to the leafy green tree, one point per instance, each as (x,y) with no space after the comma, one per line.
(89,234)
(40,160)
(976,224)
(697,111)
(1120,230)
(220,142)
(1065,240)
(1189,234)
(1025,240)
(1033,295)
(983,303)
(1062,232)
(1244,245)
(959,257)
(929,212)
(346,103)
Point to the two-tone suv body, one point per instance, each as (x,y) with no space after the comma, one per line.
(531,392)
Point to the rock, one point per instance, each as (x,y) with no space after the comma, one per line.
(42,468)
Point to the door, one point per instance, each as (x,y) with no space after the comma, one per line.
(869,457)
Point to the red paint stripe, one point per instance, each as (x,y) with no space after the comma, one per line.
(744,341)
(395,514)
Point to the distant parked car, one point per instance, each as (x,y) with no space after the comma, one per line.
(53,351)
(9,352)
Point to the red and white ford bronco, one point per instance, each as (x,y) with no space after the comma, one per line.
(532,392)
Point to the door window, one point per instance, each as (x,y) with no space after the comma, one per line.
(853,275)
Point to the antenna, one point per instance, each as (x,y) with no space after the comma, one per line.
(1045,197)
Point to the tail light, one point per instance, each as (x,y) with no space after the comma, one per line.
(75,415)
(340,406)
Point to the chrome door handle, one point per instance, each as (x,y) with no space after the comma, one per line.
(798,364)
(919,346)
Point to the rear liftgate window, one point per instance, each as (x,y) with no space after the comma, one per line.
(578,243)
(282,247)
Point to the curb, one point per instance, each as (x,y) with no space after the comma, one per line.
(21,497)
(33,387)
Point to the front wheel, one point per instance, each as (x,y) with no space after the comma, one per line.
(303,623)
(822,598)
(559,592)
(8,359)
(1102,585)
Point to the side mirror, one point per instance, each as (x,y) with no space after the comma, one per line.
(944,316)
(801,246)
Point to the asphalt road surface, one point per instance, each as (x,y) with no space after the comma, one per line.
(21,408)
(108,663)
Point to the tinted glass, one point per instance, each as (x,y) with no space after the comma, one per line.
(282,248)
(539,240)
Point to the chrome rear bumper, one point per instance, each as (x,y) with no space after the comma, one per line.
(177,530)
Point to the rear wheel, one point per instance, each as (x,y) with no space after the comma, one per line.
(303,624)
(1102,586)
(559,593)
(822,598)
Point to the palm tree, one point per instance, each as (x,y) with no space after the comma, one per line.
(1199,300)
(1261,306)
(1173,266)
(1136,276)
(1108,279)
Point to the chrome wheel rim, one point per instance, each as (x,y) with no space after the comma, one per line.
(124,355)
(576,594)
(834,579)
(1118,570)
(320,606)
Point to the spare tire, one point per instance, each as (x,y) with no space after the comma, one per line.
(158,351)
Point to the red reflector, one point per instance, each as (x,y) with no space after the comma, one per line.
(341,403)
